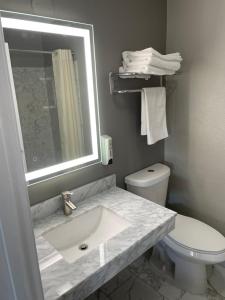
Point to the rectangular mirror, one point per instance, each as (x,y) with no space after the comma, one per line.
(52,63)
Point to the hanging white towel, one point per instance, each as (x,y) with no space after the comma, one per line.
(153,114)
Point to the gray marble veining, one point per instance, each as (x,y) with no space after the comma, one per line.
(50,206)
(149,223)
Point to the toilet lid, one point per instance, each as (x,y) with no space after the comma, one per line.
(197,235)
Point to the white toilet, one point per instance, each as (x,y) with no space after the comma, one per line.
(192,244)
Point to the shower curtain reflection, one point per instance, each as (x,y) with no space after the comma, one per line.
(65,72)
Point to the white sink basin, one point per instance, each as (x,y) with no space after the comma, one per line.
(88,230)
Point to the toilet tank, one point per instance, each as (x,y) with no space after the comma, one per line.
(150,183)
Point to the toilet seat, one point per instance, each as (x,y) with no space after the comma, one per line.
(196,240)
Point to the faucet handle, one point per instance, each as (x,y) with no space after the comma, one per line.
(66,195)
(70,204)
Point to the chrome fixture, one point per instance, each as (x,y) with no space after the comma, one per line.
(115,76)
(68,204)
(33,51)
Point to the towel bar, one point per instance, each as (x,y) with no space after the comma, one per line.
(113,76)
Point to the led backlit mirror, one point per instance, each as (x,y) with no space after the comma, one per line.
(52,64)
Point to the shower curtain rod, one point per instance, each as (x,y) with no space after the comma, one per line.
(33,51)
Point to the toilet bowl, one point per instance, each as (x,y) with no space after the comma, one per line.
(192,244)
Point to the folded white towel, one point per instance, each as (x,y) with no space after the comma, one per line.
(154,62)
(146,70)
(153,114)
(128,56)
(170,56)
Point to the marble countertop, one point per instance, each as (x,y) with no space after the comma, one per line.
(149,223)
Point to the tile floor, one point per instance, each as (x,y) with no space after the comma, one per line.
(140,282)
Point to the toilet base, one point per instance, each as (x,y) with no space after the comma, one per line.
(217,279)
(191,277)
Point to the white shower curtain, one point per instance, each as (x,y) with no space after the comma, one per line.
(68,104)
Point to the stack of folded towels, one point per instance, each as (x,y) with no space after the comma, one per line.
(150,61)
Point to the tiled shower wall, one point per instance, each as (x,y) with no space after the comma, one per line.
(38,115)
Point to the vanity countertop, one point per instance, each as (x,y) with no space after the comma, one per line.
(149,223)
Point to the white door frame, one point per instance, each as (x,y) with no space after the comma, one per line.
(19,272)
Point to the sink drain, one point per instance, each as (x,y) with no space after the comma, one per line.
(83,247)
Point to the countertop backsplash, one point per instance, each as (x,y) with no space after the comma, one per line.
(50,206)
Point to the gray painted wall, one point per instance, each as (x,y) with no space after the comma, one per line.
(196,106)
(119,25)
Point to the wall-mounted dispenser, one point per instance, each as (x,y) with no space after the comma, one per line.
(106,150)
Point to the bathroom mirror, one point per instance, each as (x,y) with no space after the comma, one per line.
(52,64)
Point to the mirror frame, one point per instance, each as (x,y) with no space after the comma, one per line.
(20,21)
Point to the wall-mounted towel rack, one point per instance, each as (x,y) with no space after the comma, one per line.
(113,76)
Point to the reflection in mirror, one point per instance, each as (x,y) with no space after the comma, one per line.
(54,99)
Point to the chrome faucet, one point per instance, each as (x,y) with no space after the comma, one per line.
(68,204)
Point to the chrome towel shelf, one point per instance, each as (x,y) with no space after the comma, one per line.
(115,76)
